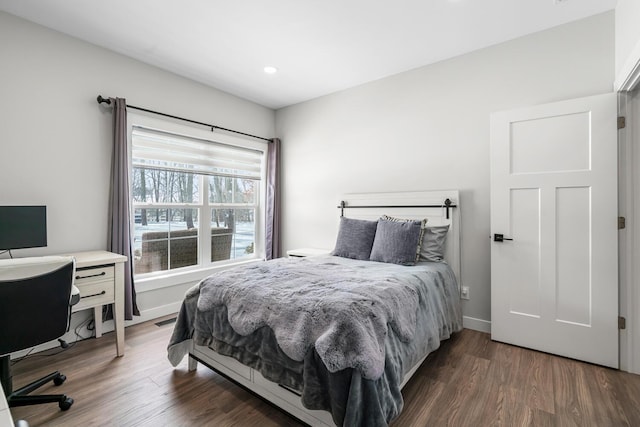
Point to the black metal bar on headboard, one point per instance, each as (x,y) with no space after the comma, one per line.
(447,205)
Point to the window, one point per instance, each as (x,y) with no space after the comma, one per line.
(196,202)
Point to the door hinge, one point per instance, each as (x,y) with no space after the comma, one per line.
(622,222)
(622,323)
(622,122)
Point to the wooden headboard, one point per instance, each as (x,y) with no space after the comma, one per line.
(413,205)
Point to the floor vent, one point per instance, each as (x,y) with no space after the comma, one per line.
(166,322)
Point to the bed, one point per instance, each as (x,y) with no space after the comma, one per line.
(331,339)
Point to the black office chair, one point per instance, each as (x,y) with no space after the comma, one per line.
(35,306)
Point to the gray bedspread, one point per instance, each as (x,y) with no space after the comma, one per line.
(341,332)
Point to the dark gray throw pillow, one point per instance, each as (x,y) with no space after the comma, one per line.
(355,238)
(397,241)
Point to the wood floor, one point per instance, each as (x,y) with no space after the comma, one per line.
(469,381)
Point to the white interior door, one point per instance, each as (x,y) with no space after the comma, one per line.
(554,287)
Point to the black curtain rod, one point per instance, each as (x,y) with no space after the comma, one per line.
(102,100)
(448,204)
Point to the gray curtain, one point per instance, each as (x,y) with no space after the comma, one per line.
(272,232)
(119,238)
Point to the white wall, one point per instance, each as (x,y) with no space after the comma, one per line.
(428,129)
(627,79)
(632,303)
(627,16)
(629,237)
(55,141)
(627,37)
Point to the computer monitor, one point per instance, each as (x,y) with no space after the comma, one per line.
(23,227)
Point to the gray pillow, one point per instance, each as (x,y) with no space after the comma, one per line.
(433,243)
(397,241)
(355,238)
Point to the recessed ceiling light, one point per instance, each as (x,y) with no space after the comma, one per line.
(270,70)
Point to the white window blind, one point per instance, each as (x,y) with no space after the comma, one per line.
(153,149)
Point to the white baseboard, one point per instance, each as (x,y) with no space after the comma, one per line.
(154,313)
(145,315)
(476,324)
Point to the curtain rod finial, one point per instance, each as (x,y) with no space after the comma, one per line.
(101,100)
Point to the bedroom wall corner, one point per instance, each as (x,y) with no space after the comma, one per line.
(627,39)
(428,129)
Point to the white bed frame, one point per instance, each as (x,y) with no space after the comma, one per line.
(401,205)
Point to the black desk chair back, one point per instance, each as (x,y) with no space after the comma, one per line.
(35,295)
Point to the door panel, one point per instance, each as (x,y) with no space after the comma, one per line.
(550,144)
(573,269)
(554,192)
(523,254)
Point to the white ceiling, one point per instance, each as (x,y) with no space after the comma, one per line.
(318,46)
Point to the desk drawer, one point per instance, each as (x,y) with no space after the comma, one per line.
(95,274)
(96,286)
(96,293)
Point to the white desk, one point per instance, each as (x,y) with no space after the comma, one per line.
(5,415)
(100,279)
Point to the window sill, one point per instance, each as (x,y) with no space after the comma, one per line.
(176,278)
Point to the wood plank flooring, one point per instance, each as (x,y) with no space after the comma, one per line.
(469,381)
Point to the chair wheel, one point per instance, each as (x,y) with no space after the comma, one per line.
(65,404)
(59,379)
